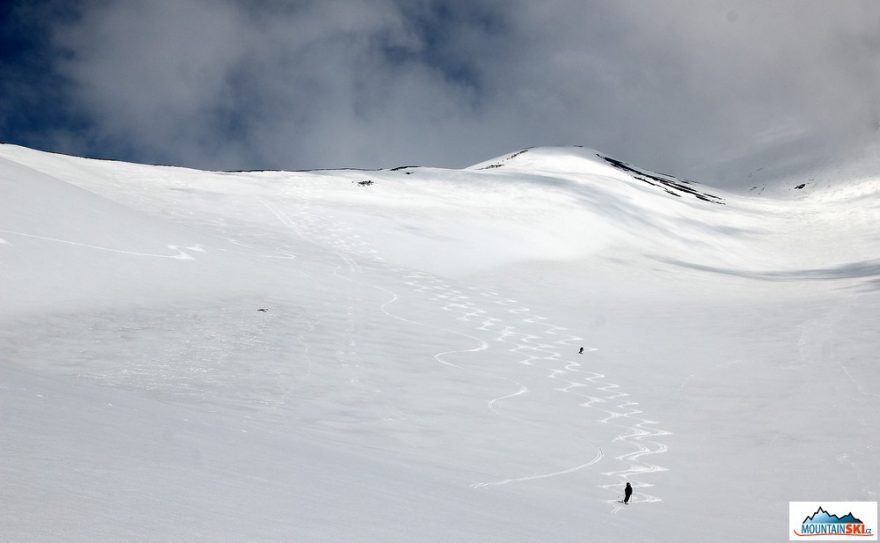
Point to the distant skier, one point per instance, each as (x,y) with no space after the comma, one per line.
(627,492)
(581,351)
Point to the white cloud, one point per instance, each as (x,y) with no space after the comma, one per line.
(680,86)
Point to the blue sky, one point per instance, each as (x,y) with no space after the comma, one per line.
(710,90)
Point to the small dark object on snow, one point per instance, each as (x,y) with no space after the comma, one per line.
(627,492)
(581,351)
(264,309)
(365,183)
(802,185)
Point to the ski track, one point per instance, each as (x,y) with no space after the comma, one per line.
(181,255)
(534,341)
(596,459)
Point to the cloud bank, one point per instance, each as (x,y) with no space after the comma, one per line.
(706,89)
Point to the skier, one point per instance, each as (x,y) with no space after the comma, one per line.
(627,492)
(581,351)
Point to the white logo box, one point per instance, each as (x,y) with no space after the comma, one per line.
(864,511)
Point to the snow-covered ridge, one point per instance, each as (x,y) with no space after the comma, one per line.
(541,201)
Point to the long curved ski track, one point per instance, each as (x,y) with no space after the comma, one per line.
(490,321)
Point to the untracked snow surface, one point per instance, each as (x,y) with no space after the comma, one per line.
(305,356)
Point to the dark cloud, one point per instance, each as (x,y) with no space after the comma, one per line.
(706,89)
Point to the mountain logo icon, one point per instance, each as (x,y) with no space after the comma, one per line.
(823,523)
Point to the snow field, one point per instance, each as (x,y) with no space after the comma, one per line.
(415,375)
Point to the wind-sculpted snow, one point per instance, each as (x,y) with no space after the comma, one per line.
(851,270)
(294,356)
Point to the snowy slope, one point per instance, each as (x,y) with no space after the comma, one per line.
(415,376)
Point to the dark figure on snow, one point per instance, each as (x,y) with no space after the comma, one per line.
(627,492)
(581,351)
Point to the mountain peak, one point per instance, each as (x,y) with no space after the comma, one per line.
(582,161)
